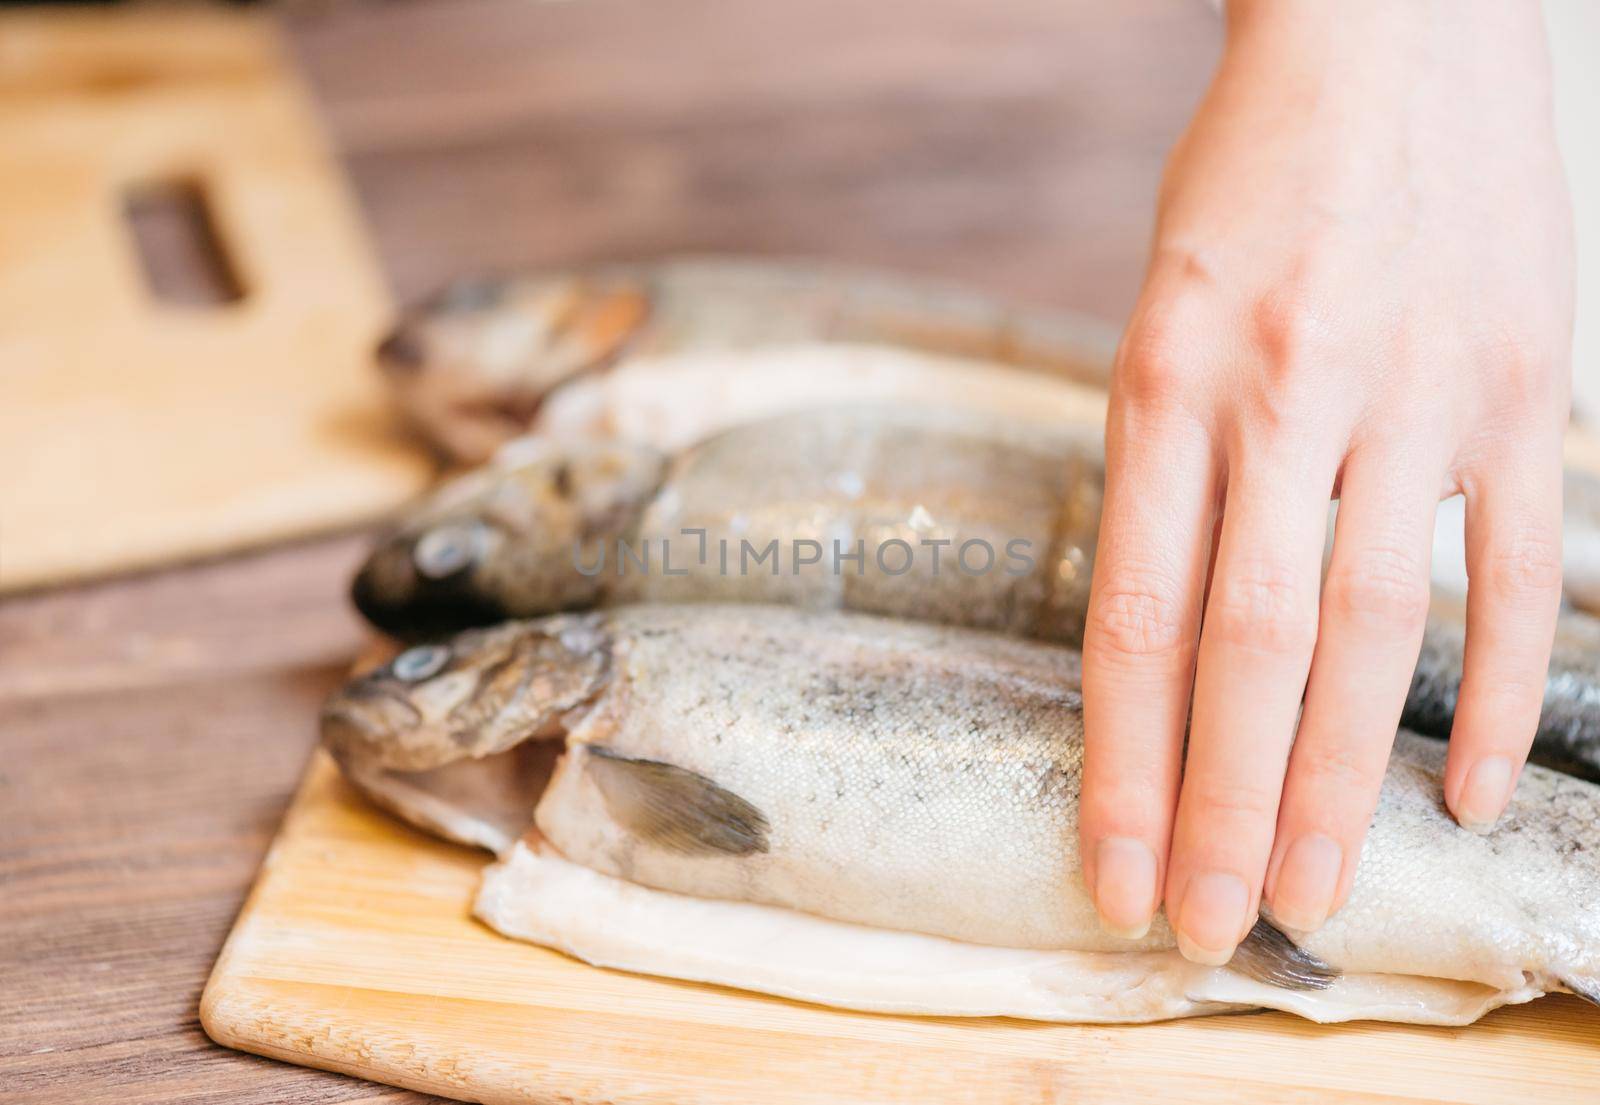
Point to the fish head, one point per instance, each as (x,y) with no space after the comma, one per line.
(471,364)
(472,695)
(507,540)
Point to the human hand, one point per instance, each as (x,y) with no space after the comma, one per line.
(1360,286)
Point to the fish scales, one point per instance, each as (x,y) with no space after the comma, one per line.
(924,779)
(501,542)
(885,763)
(895,488)
(901,489)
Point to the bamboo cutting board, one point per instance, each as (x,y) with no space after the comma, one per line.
(356,953)
(136,429)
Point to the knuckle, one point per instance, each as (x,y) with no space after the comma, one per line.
(1155,360)
(1231,802)
(1137,616)
(1110,807)
(1383,588)
(1523,371)
(1528,568)
(1275,419)
(1260,606)
(1512,701)
(1286,401)
(1336,768)
(1288,328)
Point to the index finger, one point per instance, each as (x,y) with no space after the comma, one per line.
(1138,654)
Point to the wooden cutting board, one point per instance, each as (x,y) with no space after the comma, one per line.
(356,952)
(136,428)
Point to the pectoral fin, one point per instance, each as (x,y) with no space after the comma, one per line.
(675,808)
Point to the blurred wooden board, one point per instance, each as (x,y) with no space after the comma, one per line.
(356,953)
(136,430)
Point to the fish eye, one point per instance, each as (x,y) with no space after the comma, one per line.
(447,550)
(419,663)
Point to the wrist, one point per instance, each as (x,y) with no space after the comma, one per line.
(1417,49)
(1491,28)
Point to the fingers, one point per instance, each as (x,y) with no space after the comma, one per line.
(1138,655)
(1255,649)
(1513,594)
(1374,606)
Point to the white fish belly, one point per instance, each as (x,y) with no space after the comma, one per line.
(534,894)
(643,400)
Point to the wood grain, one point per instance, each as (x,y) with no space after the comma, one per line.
(148,430)
(1014,146)
(152,728)
(357,953)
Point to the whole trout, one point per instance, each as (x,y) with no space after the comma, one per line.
(472,364)
(959,518)
(914,512)
(923,780)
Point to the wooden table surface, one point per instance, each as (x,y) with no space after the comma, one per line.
(152,728)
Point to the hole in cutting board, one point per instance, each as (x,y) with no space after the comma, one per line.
(183,256)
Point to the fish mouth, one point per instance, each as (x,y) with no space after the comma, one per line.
(402,352)
(417,609)
(364,720)
(347,732)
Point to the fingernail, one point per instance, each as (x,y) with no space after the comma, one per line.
(1308,879)
(1484,795)
(1124,886)
(1211,920)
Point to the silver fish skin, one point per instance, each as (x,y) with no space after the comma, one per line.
(904,490)
(676,401)
(1568,735)
(925,779)
(912,485)
(918,513)
(471,364)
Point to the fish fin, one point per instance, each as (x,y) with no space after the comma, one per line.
(1586,988)
(1267,955)
(675,808)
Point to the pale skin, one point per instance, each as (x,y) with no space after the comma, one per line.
(1360,287)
